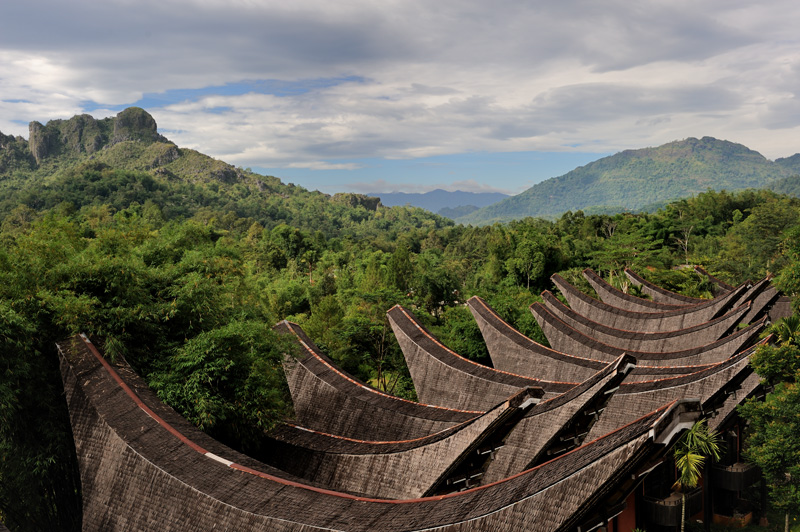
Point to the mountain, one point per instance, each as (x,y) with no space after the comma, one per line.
(123,160)
(646,178)
(438,199)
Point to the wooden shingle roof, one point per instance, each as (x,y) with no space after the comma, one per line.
(404,469)
(564,337)
(662,295)
(617,298)
(559,424)
(714,388)
(142,468)
(445,378)
(329,400)
(671,320)
(720,285)
(660,339)
(512,351)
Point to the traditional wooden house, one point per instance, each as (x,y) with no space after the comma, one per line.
(143,467)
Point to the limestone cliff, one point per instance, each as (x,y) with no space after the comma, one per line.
(83,134)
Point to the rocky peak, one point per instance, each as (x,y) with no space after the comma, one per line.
(355,200)
(85,134)
(134,123)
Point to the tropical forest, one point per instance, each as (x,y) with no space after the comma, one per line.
(182,264)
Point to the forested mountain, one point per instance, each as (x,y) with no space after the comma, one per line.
(437,200)
(647,178)
(182,264)
(123,160)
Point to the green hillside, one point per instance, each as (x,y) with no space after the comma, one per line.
(633,180)
(122,160)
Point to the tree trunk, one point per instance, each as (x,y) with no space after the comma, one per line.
(786,527)
(683,511)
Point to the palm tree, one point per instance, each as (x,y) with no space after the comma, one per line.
(787,330)
(691,451)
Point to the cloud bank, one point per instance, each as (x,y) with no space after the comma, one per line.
(317,84)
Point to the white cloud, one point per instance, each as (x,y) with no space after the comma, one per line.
(428,78)
(322,165)
(383,186)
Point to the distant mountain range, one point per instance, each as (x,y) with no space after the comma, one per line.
(449,204)
(645,179)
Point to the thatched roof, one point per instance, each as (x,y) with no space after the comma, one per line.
(721,286)
(512,351)
(557,425)
(396,469)
(659,339)
(328,399)
(445,378)
(564,337)
(143,468)
(671,320)
(617,298)
(662,295)
(713,386)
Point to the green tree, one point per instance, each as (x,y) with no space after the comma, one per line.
(228,382)
(691,451)
(773,443)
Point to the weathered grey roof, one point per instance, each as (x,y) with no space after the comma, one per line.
(564,337)
(397,469)
(768,302)
(557,425)
(617,298)
(778,309)
(671,320)
(660,339)
(143,467)
(512,351)
(662,295)
(445,378)
(327,399)
(710,386)
(721,286)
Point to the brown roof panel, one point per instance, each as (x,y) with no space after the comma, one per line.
(445,378)
(565,337)
(680,318)
(714,387)
(661,339)
(396,469)
(662,295)
(142,467)
(617,298)
(512,351)
(328,399)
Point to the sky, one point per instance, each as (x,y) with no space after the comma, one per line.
(409,95)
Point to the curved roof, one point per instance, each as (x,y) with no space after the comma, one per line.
(617,298)
(512,351)
(660,340)
(662,295)
(721,286)
(564,337)
(142,466)
(329,400)
(680,318)
(396,469)
(766,301)
(445,378)
(559,424)
(714,388)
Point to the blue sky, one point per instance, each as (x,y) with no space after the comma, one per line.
(410,95)
(509,173)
